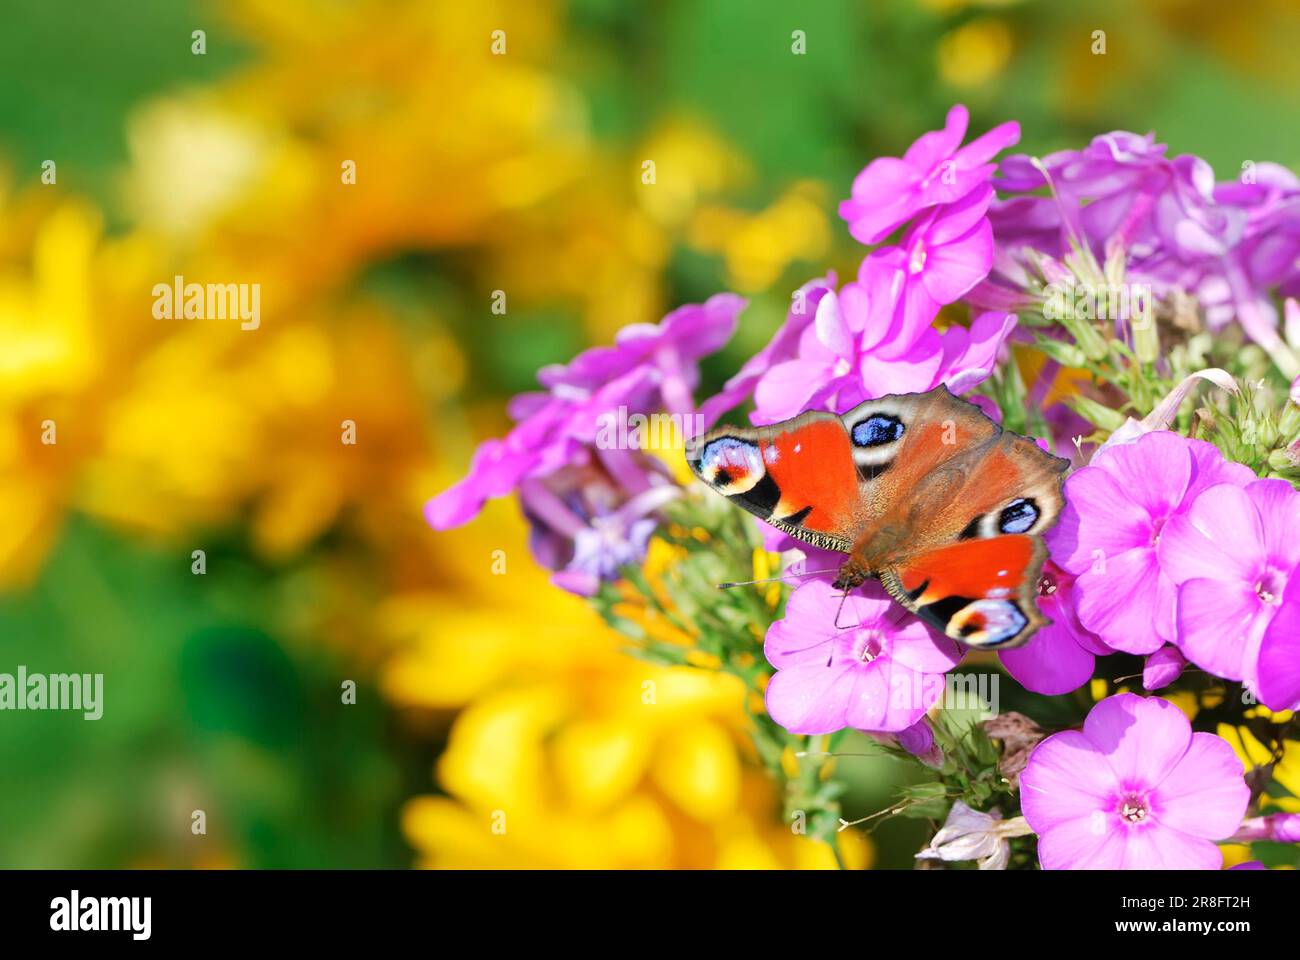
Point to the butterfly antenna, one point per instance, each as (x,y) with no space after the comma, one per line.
(746,583)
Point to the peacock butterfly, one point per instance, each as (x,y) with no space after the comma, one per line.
(921,490)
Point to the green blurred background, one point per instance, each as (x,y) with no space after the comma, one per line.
(474,173)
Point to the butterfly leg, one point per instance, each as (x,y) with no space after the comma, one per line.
(840,610)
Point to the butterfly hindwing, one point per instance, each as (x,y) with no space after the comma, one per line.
(1013,486)
(797,475)
(981,592)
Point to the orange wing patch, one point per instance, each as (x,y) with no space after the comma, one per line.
(798,475)
(972,568)
(981,592)
(813,469)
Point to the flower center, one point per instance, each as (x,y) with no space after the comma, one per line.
(608,529)
(1046,584)
(1156,529)
(1269,588)
(917,261)
(867,646)
(1133,808)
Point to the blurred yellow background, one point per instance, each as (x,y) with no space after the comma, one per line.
(381,169)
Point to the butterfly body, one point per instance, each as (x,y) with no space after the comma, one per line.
(921,491)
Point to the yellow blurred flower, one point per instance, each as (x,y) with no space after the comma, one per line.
(758,247)
(612,764)
(568,752)
(73,310)
(165,426)
(954,6)
(974,53)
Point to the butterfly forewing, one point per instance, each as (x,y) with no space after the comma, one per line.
(797,475)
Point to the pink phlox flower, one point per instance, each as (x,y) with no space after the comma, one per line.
(880,671)
(589,503)
(1234,557)
(936,169)
(1276,827)
(1116,512)
(939,259)
(841,359)
(1228,244)
(783,347)
(1134,789)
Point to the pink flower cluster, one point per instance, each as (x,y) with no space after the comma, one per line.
(591,507)
(1109,584)
(875,335)
(1172,544)
(1165,548)
(1231,245)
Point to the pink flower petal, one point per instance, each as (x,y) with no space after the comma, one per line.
(937,145)
(883,698)
(920,647)
(917,739)
(957,220)
(784,391)
(831,329)
(1081,844)
(951,269)
(1218,625)
(1209,468)
(1153,472)
(880,283)
(1205,795)
(807,633)
(976,350)
(1157,847)
(1093,495)
(810,698)
(985,148)
(1051,662)
(1279,653)
(914,372)
(781,347)
(1119,601)
(913,315)
(1278,506)
(1219,536)
(1162,668)
(1142,738)
(884,196)
(1065,780)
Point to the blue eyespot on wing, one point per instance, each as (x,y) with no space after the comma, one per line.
(877,429)
(1018,516)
